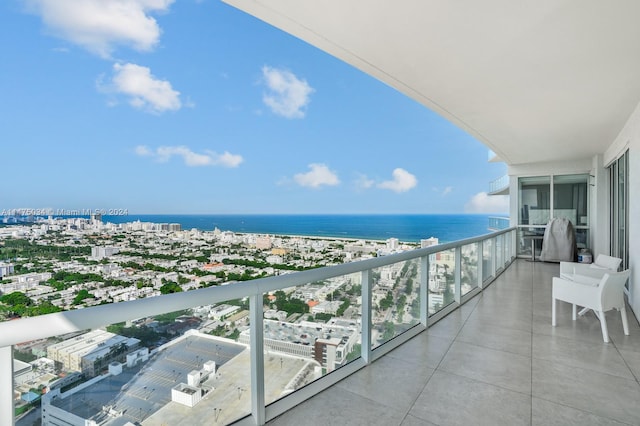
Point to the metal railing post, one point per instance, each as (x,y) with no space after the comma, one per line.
(367,316)
(257,358)
(424,290)
(480,268)
(458,275)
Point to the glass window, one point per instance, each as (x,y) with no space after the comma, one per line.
(570,198)
(535,200)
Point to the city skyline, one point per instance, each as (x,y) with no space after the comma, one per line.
(195,108)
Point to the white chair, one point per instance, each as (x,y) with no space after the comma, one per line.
(586,273)
(597,269)
(607,294)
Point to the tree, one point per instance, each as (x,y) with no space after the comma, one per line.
(82,294)
(17,303)
(389,330)
(16,298)
(343,308)
(408,286)
(355,352)
(170,287)
(387,301)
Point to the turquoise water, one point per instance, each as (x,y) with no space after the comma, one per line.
(410,228)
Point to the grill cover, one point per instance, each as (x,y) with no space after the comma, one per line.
(559,242)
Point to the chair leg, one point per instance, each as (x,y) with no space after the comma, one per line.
(625,322)
(553,312)
(603,325)
(574,311)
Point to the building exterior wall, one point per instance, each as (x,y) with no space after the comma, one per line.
(91,350)
(6,269)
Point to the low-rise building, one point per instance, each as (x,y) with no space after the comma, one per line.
(329,343)
(99,253)
(220,312)
(5,269)
(89,353)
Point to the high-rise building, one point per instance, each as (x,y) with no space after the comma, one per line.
(428,242)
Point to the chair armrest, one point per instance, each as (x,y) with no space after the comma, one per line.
(586,280)
(570,269)
(575,293)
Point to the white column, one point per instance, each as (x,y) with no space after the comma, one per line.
(6,386)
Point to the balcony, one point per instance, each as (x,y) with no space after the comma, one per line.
(495,361)
(458,349)
(499,186)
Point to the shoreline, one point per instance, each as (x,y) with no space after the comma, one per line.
(406,228)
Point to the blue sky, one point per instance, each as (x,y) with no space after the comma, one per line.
(158,106)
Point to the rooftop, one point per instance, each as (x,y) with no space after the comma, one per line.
(495,361)
(141,391)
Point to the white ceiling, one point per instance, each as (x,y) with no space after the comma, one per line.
(537,80)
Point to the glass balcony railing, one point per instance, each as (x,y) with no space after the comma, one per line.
(249,350)
(500,185)
(498,223)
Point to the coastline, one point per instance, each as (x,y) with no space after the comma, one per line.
(410,228)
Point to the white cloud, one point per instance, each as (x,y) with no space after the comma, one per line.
(484,203)
(143,151)
(318,175)
(363,182)
(402,181)
(287,95)
(144,90)
(100,25)
(447,190)
(163,154)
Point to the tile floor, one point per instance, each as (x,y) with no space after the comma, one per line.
(495,361)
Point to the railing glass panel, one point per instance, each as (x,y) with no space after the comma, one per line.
(507,248)
(310,331)
(487,250)
(441,280)
(498,223)
(499,252)
(395,300)
(469,268)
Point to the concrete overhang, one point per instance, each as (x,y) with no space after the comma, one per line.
(536,81)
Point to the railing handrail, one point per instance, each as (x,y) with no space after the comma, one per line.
(49,325)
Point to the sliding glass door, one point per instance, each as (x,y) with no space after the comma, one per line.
(619,203)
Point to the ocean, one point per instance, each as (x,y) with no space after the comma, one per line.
(408,228)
